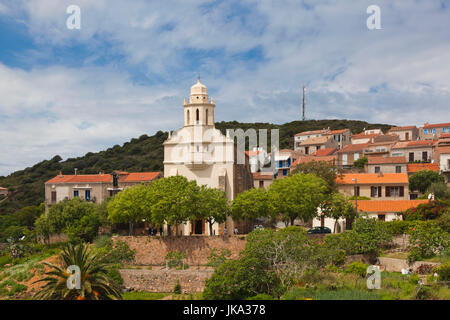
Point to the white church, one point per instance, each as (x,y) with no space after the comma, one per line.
(202,153)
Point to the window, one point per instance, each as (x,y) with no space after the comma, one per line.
(395,191)
(425,131)
(398,169)
(443,130)
(197,115)
(375,192)
(377,169)
(206,117)
(434,130)
(356,156)
(382,217)
(344,159)
(411,157)
(284,172)
(53,196)
(87,195)
(75,193)
(424,156)
(261,183)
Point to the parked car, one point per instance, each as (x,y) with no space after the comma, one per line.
(319,230)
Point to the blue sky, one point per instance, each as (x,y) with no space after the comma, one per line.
(126,72)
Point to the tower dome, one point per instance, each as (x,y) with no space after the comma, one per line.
(199,88)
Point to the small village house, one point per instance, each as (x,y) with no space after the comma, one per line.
(262,179)
(284,158)
(414,150)
(433,131)
(350,153)
(312,145)
(387,165)
(406,133)
(302,136)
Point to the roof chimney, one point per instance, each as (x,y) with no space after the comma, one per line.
(76,170)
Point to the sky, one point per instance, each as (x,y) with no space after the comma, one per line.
(126,71)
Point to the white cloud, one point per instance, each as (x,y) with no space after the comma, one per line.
(396,75)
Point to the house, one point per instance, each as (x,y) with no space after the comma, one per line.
(387,165)
(406,133)
(262,179)
(414,151)
(302,136)
(385,210)
(342,137)
(350,153)
(433,131)
(361,138)
(3,191)
(283,160)
(443,154)
(381,146)
(378,186)
(311,145)
(93,187)
(201,153)
(328,155)
(373,131)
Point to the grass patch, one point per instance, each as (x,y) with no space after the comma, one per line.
(144,295)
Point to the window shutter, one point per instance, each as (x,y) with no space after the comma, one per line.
(372,191)
(388,191)
(379,192)
(402,191)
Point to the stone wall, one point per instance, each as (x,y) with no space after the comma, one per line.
(163,280)
(153,250)
(396,265)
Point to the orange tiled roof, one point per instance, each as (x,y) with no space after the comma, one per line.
(337,131)
(81,178)
(364,136)
(324,152)
(261,176)
(386,206)
(353,147)
(402,128)
(444,135)
(443,150)
(437,125)
(304,133)
(420,143)
(141,176)
(415,167)
(373,178)
(385,160)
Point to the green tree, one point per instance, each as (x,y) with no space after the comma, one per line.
(338,207)
(211,204)
(94,282)
(361,162)
(130,206)
(426,240)
(440,190)
(43,228)
(28,215)
(297,196)
(76,218)
(173,200)
(322,169)
(422,180)
(250,204)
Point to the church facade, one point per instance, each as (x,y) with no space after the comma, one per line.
(202,153)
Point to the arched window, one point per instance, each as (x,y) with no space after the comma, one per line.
(197,115)
(206,116)
(188,118)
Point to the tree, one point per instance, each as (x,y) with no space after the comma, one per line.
(172,200)
(297,196)
(440,190)
(94,282)
(43,228)
(338,207)
(360,162)
(250,204)
(130,206)
(28,215)
(211,205)
(76,218)
(322,169)
(422,180)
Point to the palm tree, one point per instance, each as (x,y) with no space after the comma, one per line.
(95,284)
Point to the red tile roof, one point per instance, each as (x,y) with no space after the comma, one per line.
(402,128)
(444,135)
(337,131)
(364,136)
(386,160)
(415,167)
(324,152)
(353,148)
(304,133)
(81,178)
(141,176)
(443,150)
(420,143)
(387,206)
(261,176)
(437,125)
(373,178)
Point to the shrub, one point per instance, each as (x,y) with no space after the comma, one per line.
(261,296)
(6,259)
(422,293)
(174,259)
(426,240)
(357,268)
(120,252)
(103,241)
(177,288)
(217,257)
(443,271)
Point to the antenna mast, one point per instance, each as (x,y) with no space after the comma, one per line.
(303,104)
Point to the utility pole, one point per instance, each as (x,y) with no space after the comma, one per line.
(303,104)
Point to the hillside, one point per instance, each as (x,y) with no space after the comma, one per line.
(142,154)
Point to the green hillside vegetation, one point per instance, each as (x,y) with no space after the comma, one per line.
(142,154)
